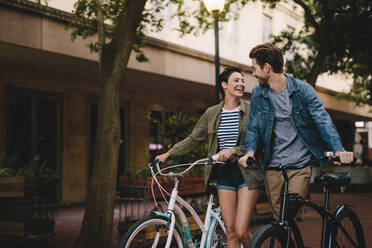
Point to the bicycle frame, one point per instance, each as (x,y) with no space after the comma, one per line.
(329,219)
(206,227)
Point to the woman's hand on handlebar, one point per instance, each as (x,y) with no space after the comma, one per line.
(345,157)
(226,154)
(163,157)
(243,160)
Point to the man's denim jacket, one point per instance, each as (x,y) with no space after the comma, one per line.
(310,119)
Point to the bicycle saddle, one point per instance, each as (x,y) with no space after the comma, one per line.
(334,179)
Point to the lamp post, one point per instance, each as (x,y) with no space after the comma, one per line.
(215,7)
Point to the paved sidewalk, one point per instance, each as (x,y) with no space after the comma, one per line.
(68,221)
(362,203)
(311,225)
(67,227)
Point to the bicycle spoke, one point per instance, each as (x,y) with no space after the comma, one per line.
(347,233)
(269,236)
(156,240)
(271,243)
(151,232)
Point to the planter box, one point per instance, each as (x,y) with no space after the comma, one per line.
(187,186)
(19,186)
(26,228)
(263,208)
(140,188)
(123,227)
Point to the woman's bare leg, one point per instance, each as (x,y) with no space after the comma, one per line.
(228,203)
(245,208)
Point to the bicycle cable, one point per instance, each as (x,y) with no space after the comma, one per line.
(162,190)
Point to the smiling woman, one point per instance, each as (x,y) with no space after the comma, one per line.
(224,126)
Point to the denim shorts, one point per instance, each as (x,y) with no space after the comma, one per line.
(229,177)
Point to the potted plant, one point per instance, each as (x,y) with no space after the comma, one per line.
(34,177)
(176,127)
(25,195)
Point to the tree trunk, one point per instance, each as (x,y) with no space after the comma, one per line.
(96,229)
(317,68)
(370,92)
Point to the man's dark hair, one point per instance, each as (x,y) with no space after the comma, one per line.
(224,77)
(268,53)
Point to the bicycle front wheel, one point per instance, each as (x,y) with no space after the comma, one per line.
(348,232)
(151,231)
(269,236)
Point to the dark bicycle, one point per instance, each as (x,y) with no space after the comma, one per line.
(341,228)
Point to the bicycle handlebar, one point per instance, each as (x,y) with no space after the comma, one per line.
(210,160)
(250,161)
(328,156)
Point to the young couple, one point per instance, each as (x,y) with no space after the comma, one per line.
(285,121)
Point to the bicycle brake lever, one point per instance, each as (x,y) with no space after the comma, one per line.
(250,161)
(156,161)
(210,161)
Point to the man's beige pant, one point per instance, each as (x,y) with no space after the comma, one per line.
(299,181)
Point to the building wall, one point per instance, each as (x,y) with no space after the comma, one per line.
(74,124)
(36,53)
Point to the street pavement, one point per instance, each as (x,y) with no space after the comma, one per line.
(68,221)
(311,225)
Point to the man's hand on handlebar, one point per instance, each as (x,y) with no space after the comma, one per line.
(345,157)
(243,160)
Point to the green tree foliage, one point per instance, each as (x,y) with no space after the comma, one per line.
(336,37)
(192,20)
(120,26)
(177,127)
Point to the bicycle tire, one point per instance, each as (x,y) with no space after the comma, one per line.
(348,231)
(219,239)
(269,236)
(142,234)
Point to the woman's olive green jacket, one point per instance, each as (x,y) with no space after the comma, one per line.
(206,128)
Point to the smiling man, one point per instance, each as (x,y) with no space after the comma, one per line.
(289,122)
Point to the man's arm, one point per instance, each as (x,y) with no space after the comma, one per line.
(324,125)
(252,136)
(322,119)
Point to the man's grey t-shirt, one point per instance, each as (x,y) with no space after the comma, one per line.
(288,148)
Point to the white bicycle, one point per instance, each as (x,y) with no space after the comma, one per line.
(160,229)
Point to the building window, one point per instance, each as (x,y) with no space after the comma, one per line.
(34,127)
(123,149)
(267,28)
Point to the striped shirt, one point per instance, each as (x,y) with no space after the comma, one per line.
(228,129)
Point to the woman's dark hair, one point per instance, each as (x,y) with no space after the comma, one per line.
(268,53)
(224,77)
